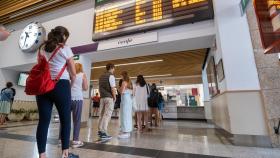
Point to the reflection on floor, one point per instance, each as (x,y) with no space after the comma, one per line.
(174,139)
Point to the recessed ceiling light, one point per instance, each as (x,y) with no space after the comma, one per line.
(134,63)
(150,76)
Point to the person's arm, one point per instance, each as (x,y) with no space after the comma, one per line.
(14,90)
(71,69)
(85,83)
(122,89)
(112,82)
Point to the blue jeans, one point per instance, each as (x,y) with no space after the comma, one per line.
(61,97)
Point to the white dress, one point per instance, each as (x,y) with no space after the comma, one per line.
(141,97)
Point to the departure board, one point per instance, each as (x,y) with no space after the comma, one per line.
(121,17)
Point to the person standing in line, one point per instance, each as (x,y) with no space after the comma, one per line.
(153,104)
(118,99)
(107,89)
(96,104)
(126,106)
(6,99)
(78,86)
(60,95)
(141,96)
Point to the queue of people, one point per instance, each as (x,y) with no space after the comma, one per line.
(143,100)
(62,84)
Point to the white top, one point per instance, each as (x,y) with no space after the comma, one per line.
(59,60)
(112,81)
(141,98)
(77,87)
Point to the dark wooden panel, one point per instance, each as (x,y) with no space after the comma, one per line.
(15,10)
(188,63)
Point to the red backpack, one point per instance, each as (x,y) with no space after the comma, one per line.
(39,80)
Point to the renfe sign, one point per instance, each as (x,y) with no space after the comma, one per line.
(128,41)
(268,14)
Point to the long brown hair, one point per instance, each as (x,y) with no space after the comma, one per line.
(57,35)
(127,79)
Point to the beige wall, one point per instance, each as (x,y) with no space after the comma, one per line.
(240,112)
(268,67)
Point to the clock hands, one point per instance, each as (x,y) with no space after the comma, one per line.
(27,36)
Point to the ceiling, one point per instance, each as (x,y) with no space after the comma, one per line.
(171,68)
(16,10)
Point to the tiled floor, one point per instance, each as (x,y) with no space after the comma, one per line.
(174,139)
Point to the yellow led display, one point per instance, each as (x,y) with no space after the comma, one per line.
(139,13)
(181,3)
(157,9)
(120,17)
(108,20)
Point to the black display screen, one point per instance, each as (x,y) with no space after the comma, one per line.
(121,17)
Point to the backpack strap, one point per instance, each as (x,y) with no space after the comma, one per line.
(55,51)
(148,92)
(60,73)
(64,67)
(60,45)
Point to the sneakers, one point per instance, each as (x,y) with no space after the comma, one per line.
(77,144)
(124,135)
(104,136)
(70,155)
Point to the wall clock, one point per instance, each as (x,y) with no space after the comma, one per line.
(32,36)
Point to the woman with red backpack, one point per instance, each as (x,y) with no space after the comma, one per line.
(62,71)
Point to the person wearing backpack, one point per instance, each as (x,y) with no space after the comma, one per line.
(153,102)
(62,71)
(6,99)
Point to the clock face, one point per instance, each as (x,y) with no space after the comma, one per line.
(31,37)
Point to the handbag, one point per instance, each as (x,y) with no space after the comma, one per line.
(39,80)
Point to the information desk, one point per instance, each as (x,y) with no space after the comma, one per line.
(171,111)
(120,17)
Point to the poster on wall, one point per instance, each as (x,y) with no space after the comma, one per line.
(268,15)
(220,71)
(212,78)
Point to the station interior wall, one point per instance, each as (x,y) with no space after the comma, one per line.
(241,78)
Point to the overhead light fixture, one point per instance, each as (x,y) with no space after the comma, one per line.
(135,63)
(150,76)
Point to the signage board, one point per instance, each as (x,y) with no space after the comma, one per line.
(114,18)
(76,57)
(128,41)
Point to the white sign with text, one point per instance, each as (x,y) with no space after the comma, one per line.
(128,41)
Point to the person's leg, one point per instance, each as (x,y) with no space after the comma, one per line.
(157,116)
(94,111)
(44,105)
(77,113)
(62,99)
(101,115)
(146,119)
(108,111)
(1,119)
(151,116)
(139,122)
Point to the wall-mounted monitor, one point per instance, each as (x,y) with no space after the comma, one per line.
(114,18)
(22,79)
